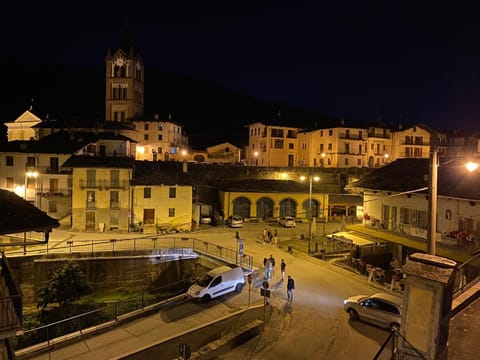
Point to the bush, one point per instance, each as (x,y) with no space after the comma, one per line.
(67,284)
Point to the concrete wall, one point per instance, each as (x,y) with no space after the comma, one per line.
(126,272)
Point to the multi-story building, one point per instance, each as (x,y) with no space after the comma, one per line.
(333,147)
(464,143)
(415,141)
(271,145)
(160,140)
(339,147)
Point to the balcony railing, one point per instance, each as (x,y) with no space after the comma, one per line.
(104,184)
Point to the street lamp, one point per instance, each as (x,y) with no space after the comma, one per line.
(311,179)
(28,174)
(432,195)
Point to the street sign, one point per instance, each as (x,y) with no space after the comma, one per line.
(266,285)
(184,351)
(265,292)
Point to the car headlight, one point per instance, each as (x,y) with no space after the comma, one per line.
(345,302)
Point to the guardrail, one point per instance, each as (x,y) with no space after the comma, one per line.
(137,244)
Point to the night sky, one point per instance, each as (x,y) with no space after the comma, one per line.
(403,61)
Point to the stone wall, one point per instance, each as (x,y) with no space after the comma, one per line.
(129,272)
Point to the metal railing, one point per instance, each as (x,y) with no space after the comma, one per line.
(389,349)
(138,245)
(467,274)
(106,313)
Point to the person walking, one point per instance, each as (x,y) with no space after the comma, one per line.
(282,269)
(272,261)
(290,288)
(268,269)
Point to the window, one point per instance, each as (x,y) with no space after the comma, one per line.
(146,127)
(330,147)
(290,146)
(9,160)
(54,165)
(171,212)
(52,206)
(330,132)
(278,144)
(346,161)
(114,219)
(91,177)
(359,162)
(114,200)
(30,161)
(115,178)
(172,193)
(145,137)
(160,137)
(90,199)
(9,182)
(147,193)
(216,281)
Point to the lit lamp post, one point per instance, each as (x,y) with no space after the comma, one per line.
(432,195)
(28,174)
(311,179)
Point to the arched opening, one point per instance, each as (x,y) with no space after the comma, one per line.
(241,207)
(264,208)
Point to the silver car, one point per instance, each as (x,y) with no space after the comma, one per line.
(381,309)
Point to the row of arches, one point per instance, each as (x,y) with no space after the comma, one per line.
(266,208)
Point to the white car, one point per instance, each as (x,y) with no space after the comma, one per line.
(287,221)
(235,221)
(205,219)
(381,309)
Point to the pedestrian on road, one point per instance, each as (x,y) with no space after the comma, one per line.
(290,288)
(268,270)
(272,260)
(282,269)
(264,238)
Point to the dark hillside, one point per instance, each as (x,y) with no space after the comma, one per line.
(211,114)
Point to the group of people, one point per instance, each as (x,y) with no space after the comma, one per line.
(269,266)
(270,236)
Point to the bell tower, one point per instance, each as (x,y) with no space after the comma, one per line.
(124,92)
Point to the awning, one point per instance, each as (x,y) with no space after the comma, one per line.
(350,238)
(419,245)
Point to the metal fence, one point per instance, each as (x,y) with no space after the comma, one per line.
(390,349)
(105,314)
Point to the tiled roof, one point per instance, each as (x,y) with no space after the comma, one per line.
(18,215)
(160,173)
(61,142)
(81,161)
(411,174)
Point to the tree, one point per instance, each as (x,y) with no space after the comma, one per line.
(67,284)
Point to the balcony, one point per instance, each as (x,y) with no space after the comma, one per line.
(104,184)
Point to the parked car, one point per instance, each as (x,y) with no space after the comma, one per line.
(235,221)
(381,309)
(219,281)
(205,219)
(287,221)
